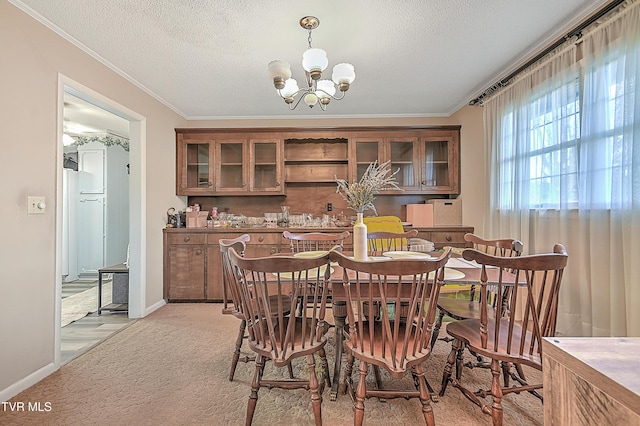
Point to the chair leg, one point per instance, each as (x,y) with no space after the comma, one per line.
(347,381)
(423,388)
(448,367)
(236,353)
(496,392)
(416,384)
(255,387)
(506,368)
(326,379)
(378,377)
(361,392)
(436,327)
(316,398)
(460,361)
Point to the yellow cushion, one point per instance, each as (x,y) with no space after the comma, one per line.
(383,224)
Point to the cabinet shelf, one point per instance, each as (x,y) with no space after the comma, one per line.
(317,161)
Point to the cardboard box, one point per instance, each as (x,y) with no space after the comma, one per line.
(419,215)
(446,212)
(197,219)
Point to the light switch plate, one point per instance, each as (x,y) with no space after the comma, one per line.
(36,205)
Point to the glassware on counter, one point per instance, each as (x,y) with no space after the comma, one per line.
(271,220)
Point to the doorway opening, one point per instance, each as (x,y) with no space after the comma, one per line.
(99,220)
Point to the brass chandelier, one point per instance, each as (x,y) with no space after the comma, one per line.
(314,62)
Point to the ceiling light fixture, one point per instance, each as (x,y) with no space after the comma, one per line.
(314,62)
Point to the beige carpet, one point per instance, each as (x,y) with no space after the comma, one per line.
(77,306)
(171,368)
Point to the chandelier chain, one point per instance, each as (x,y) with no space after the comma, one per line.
(309,39)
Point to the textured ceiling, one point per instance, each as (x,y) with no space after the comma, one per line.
(208,59)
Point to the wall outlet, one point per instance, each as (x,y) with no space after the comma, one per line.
(329,207)
(36,205)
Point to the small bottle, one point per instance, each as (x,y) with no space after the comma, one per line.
(214,217)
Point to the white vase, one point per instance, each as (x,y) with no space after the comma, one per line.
(360,239)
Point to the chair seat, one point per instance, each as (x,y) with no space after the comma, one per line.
(468,331)
(301,334)
(461,309)
(375,355)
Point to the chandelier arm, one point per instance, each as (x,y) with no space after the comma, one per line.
(332,96)
(293,95)
(293,106)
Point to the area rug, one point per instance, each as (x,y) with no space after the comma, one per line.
(171,368)
(79,305)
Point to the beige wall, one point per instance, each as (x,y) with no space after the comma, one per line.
(32,58)
(474,192)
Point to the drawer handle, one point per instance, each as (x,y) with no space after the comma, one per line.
(199,251)
(448,238)
(273,250)
(261,238)
(187,239)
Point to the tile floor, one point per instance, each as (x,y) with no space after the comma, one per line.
(80,336)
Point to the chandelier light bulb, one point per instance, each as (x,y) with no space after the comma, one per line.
(325,89)
(310,99)
(279,71)
(314,61)
(343,75)
(290,88)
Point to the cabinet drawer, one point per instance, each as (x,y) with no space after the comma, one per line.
(214,238)
(266,238)
(187,238)
(448,238)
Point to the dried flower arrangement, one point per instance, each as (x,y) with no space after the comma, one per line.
(360,195)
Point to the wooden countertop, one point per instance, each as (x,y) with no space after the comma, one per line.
(452,228)
(609,362)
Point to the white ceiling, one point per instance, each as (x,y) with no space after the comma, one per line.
(83,118)
(413,58)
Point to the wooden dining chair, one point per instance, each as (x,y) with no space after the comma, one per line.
(230,299)
(232,305)
(515,338)
(315,241)
(274,334)
(396,342)
(460,309)
(380,242)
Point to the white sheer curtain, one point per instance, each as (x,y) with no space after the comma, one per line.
(564,154)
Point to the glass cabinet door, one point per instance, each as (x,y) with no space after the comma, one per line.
(403,154)
(366,152)
(195,167)
(230,169)
(439,171)
(266,166)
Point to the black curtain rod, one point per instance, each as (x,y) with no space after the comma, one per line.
(575,32)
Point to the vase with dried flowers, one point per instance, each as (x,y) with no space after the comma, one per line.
(360,196)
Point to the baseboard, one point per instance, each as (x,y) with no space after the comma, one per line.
(155,307)
(30,380)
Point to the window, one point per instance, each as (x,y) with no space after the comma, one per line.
(564,147)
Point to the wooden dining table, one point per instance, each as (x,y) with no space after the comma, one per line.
(457,271)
